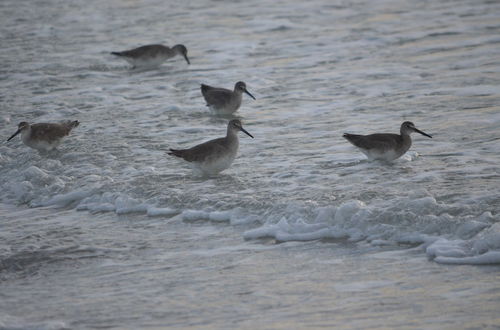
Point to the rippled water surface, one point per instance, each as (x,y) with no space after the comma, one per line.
(302,231)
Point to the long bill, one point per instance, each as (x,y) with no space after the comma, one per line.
(419,131)
(187,59)
(245,131)
(18,131)
(246,91)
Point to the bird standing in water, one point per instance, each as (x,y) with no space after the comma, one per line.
(152,55)
(224,101)
(215,155)
(44,136)
(385,146)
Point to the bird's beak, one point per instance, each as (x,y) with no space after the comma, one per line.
(419,131)
(246,91)
(245,131)
(18,131)
(187,59)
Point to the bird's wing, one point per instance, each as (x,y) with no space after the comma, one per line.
(148,50)
(50,131)
(216,96)
(374,141)
(205,151)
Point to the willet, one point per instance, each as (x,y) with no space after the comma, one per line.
(44,136)
(385,146)
(215,155)
(224,101)
(152,55)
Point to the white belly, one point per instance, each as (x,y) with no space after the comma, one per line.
(215,166)
(42,145)
(388,155)
(226,110)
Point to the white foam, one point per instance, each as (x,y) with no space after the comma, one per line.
(191,215)
(487,240)
(161,211)
(234,216)
(220,216)
(125,204)
(141,208)
(488,258)
(403,221)
(446,248)
(483,248)
(65,199)
(285,231)
(23,191)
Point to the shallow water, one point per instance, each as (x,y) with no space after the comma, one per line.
(109,231)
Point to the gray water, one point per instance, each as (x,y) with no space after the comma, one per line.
(302,231)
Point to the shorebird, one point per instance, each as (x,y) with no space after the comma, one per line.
(385,146)
(224,101)
(44,136)
(151,55)
(215,155)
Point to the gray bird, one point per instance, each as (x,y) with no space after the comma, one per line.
(215,155)
(224,101)
(152,55)
(44,136)
(385,146)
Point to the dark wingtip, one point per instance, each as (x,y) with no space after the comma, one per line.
(204,88)
(116,53)
(175,152)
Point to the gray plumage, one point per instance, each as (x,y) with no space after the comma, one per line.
(223,100)
(385,146)
(152,55)
(44,136)
(216,155)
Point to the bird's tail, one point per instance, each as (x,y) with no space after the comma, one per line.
(204,88)
(69,125)
(176,153)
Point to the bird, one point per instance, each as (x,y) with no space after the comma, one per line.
(216,155)
(224,101)
(44,136)
(385,146)
(152,55)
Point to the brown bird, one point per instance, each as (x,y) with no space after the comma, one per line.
(152,55)
(224,101)
(44,136)
(385,146)
(215,155)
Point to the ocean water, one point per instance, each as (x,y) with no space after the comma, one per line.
(302,231)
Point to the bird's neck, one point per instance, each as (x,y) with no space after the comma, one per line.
(231,133)
(25,133)
(405,136)
(404,132)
